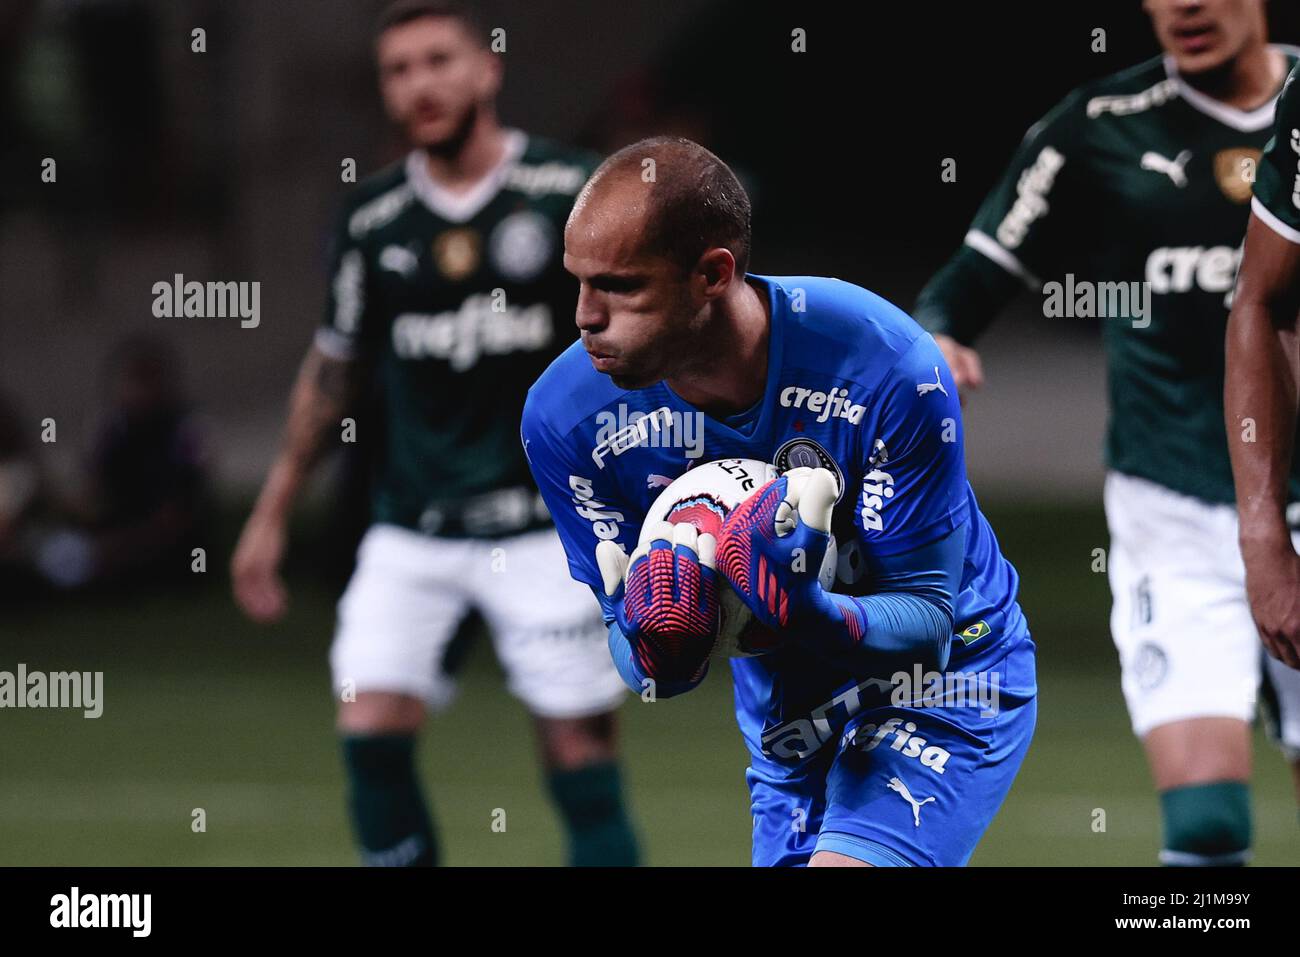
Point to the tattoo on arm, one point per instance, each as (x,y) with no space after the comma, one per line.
(335,379)
(321,396)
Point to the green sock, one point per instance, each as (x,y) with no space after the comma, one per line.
(1207,824)
(591,802)
(389,816)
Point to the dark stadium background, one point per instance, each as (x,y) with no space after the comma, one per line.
(225,165)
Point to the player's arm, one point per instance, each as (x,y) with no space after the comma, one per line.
(328,381)
(660,602)
(1019,234)
(913,537)
(321,395)
(1260,397)
(908,618)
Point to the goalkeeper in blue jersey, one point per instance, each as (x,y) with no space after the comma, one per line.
(849,765)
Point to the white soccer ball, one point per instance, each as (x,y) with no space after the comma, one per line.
(704,496)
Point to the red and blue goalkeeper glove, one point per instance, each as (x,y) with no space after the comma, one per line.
(665,600)
(771,549)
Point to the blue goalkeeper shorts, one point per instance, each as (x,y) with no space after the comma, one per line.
(889,784)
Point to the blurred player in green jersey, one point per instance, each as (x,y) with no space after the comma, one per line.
(1129,201)
(447,284)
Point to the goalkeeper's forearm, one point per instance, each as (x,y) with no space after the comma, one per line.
(908,620)
(882,634)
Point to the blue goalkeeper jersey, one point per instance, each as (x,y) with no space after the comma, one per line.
(854,386)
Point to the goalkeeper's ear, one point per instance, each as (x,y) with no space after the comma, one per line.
(612,562)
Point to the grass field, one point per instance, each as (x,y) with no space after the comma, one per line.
(203,710)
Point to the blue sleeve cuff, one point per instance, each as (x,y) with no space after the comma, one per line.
(625,662)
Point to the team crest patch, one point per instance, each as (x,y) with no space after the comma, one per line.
(1234,171)
(457,252)
(805,453)
(1150,665)
(521,245)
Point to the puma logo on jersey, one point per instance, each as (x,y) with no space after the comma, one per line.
(923,387)
(896,784)
(398,259)
(1173,168)
(655,480)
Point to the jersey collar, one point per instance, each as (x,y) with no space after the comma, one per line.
(462,207)
(1244,121)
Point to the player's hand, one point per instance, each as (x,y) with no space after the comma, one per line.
(1273,587)
(963,362)
(255,569)
(773,544)
(665,598)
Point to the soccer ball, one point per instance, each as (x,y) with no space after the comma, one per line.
(704,496)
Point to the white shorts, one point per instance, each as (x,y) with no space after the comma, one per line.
(1187,643)
(409,593)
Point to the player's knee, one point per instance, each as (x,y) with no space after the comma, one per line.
(1206,824)
(380,712)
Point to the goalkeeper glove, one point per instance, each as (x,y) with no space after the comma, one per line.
(665,599)
(771,549)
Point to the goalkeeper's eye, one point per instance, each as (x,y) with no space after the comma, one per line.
(617,284)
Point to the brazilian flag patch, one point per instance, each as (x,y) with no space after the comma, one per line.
(975,632)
